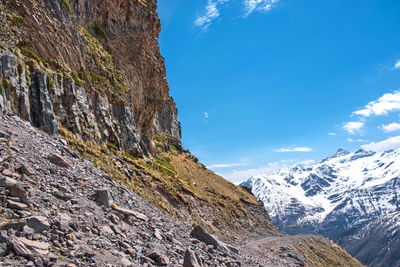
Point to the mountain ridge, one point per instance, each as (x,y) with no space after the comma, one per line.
(343,197)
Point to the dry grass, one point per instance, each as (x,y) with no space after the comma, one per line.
(178,184)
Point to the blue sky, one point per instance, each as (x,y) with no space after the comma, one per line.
(264,84)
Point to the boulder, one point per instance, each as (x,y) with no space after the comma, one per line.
(59,161)
(28,248)
(16,205)
(103,197)
(199,233)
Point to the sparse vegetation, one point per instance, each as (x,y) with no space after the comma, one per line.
(170,181)
(159,138)
(68,6)
(99,32)
(112,146)
(50,82)
(14,18)
(29,53)
(101,67)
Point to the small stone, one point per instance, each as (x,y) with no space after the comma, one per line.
(4,135)
(159,258)
(38,223)
(7,172)
(17,190)
(71,237)
(103,197)
(16,205)
(106,230)
(191,259)
(16,225)
(157,234)
(125,262)
(4,249)
(25,169)
(127,213)
(59,161)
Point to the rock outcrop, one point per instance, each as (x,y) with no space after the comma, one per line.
(90,66)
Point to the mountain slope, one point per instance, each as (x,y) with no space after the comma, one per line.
(351,198)
(57,209)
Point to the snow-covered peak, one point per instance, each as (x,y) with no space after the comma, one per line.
(320,188)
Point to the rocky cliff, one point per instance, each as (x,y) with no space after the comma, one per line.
(90,66)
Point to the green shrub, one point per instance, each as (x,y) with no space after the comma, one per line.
(112,146)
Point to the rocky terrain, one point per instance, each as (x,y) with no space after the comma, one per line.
(57,209)
(351,198)
(102,179)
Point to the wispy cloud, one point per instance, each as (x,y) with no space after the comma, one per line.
(226,165)
(332,134)
(294,149)
(205,115)
(351,140)
(391,127)
(397,64)
(258,5)
(387,103)
(353,126)
(213,10)
(385,145)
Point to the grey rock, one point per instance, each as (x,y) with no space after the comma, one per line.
(28,248)
(17,190)
(59,161)
(42,112)
(16,205)
(38,223)
(128,212)
(103,197)
(191,259)
(199,233)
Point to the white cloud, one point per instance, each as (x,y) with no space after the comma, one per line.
(352,126)
(213,7)
(238,176)
(397,64)
(387,103)
(351,140)
(332,134)
(294,149)
(227,165)
(258,5)
(388,144)
(211,13)
(391,127)
(205,115)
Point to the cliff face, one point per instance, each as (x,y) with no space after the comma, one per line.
(91,66)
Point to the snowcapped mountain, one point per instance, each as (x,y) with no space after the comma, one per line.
(352,198)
